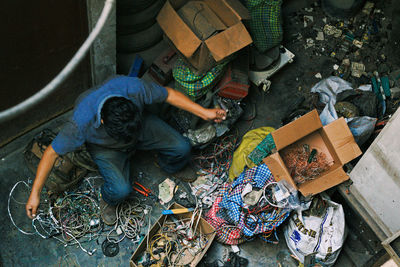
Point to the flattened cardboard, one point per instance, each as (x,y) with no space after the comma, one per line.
(205,227)
(343,140)
(335,140)
(230,13)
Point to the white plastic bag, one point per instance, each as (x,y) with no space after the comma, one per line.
(307,234)
(328,89)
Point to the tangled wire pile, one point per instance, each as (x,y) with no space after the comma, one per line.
(216,159)
(177,243)
(130,220)
(76,215)
(305,164)
(74,218)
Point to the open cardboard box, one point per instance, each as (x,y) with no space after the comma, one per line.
(205,32)
(334,139)
(204,226)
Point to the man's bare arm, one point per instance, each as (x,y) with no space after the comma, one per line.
(43,171)
(181,101)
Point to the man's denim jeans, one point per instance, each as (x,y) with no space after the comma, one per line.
(114,165)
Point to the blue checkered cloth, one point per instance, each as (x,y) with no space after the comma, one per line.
(232,204)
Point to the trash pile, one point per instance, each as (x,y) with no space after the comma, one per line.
(73,218)
(356,46)
(248,187)
(252,205)
(210,60)
(177,242)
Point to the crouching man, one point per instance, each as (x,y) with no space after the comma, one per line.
(112,123)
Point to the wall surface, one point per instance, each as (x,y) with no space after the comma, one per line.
(103,51)
(39,40)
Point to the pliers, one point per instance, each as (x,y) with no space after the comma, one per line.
(143,190)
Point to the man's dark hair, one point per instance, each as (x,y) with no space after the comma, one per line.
(121,118)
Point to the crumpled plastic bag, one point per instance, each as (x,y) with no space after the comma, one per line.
(361,128)
(306,233)
(328,89)
(249,142)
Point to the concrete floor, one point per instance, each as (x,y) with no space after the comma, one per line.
(17,249)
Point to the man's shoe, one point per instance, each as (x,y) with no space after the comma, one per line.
(187,174)
(108,212)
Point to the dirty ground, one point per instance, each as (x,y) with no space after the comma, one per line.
(316,57)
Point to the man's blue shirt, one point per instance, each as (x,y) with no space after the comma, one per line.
(85,124)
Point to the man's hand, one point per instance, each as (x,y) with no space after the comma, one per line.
(215,114)
(43,171)
(181,101)
(32,205)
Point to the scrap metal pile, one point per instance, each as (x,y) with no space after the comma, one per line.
(355,49)
(265,189)
(177,243)
(73,218)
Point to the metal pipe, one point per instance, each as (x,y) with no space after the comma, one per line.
(65,72)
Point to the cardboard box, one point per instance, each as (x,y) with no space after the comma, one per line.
(204,226)
(205,32)
(334,139)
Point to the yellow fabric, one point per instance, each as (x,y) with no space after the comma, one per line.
(249,142)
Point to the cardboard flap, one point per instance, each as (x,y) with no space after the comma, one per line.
(177,31)
(177,4)
(297,129)
(319,185)
(224,11)
(228,42)
(201,19)
(278,168)
(343,141)
(203,226)
(239,10)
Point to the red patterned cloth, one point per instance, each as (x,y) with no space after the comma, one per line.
(226,233)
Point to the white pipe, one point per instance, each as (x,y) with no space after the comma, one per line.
(66,71)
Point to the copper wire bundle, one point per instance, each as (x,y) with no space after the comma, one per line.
(302,165)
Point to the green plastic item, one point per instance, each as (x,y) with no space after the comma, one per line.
(312,155)
(263,149)
(385,85)
(375,88)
